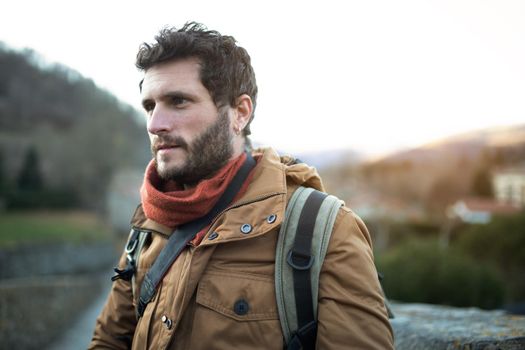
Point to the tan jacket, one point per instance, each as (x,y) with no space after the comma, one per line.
(194,304)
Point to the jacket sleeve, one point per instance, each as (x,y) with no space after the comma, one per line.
(351,311)
(116,323)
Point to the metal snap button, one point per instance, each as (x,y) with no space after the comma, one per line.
(246,228)
(271,219)
(167,322)
(213,235)
(241,307)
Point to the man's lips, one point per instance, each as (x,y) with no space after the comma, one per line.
(163,147)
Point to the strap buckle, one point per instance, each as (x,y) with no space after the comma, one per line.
(132,243)
(304,338)
(127,272)
(300,261)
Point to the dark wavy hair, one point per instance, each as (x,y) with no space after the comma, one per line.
(226,69)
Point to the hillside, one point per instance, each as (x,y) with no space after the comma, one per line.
(437,173)
(63,131)
(467,145)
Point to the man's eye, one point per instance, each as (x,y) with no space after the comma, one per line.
(148,107)
(177,100)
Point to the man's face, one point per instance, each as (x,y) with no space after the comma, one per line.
(190,138)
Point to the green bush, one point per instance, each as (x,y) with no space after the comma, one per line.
(40,199)
(500,243)
(420,271)
(401,232)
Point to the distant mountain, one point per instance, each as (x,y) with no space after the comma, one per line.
(324,159)
(436,174)
(467,145)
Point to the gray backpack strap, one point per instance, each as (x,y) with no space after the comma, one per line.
(143,237)
(284,282)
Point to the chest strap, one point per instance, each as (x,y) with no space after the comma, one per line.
(180,238)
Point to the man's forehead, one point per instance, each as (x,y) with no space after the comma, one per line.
(172,74)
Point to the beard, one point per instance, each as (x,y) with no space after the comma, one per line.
(205,155)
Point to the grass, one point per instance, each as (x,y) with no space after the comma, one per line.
(51,226)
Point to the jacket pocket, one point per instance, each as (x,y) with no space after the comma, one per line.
(243,297)
(239,310)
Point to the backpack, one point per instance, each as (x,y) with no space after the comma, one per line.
(301,248)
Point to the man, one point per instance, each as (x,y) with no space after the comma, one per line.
(199,95)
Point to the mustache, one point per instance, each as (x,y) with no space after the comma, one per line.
(168,141)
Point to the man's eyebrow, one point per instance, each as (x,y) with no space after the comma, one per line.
(177,93)
(171,94)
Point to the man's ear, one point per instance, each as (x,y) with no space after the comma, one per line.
(243,111)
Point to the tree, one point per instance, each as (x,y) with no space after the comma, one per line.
(443,192)
(482,183)
(3,179)
(30,176)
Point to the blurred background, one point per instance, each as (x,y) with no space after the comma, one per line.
(412,111)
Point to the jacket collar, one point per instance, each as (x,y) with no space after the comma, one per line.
(267,189)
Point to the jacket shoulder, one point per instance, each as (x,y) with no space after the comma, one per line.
(351,304)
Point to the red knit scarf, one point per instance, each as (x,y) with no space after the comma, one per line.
(169,204)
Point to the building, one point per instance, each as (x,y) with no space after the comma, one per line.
(480,210)
(509,185)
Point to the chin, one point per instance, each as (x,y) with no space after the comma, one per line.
(166,169)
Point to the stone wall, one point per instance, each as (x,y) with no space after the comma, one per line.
(33,311)
(422,326)
(56,259)
(44,288)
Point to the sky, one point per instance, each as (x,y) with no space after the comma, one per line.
(371,76)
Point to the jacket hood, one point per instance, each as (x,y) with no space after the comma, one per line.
(300,174)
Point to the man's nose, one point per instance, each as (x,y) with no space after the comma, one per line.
(159,121)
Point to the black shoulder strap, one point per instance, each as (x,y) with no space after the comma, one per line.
(301,259)
(180,238)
